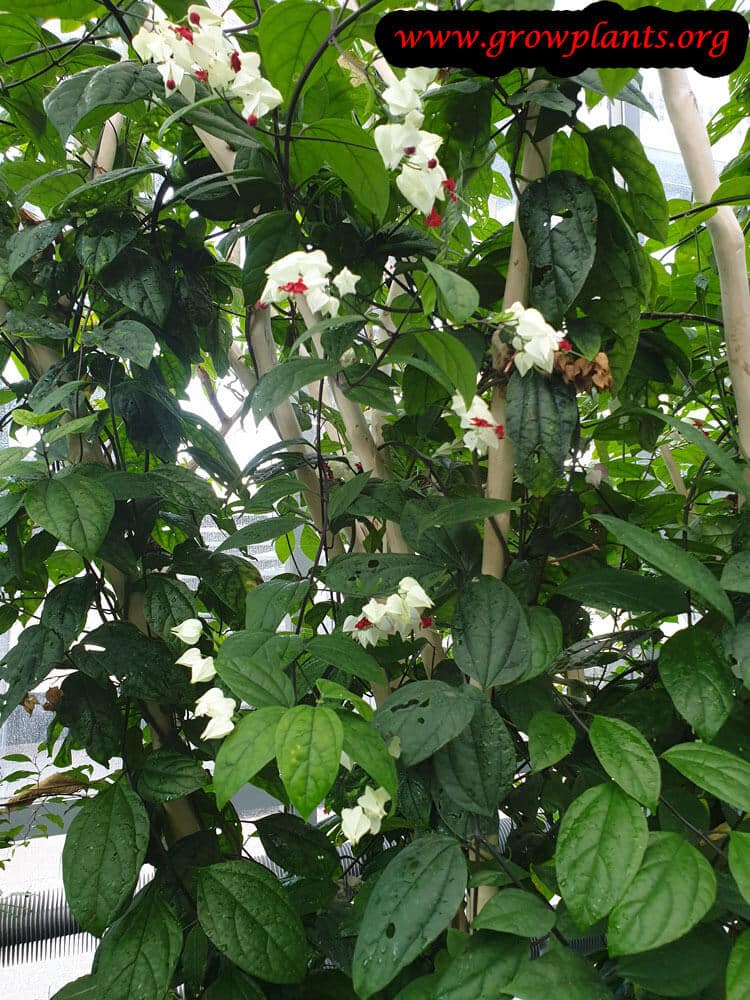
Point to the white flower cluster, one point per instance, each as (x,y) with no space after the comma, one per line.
(400,614)
(213,704)
(306,273)
(405,144)
(202,51)
(534,340)
(480,430)
(365,817)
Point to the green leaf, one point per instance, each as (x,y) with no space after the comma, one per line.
(561,254)
(73,508)
(168,775)
(308,749)
(375,574)
(414,899)
(551,737)
(142,283)
(268,603)
(288,38)
(247,916)
(546,636)
(490,633)
(260,531)
(81,425)
(721,773)
(542,415)
(231,984)
(642,199)
(297,847)
(85,988)
(252,664)
(89,710)
(344,495)
(482,970)
(425,715)
(600,846)
(331,691)
(606,588)
(698,679)
(269,238)
(674,888)
(672,560)
(66,607)
(37,651)
(281,382)
(30,324)
(167,603)
(460,300)
(139,954)
(736,573)
(103,239)
(152,417)
(127,339)
(739,861)
(446,512)
(11,461)
(628,759)
(514,911)
(107,87)
(27,243)
(559,972)
(351,155)
(117,184)
(453,358)
(682,968)
(102,856)
(364,744)
(738,969)
(247,749)
(477,767)
(342,652)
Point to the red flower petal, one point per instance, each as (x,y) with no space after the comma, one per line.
(296,287)
(565,345)
(235,62)
(434,220)
(363,623)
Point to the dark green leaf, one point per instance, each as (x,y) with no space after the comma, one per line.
(605,588)
(342,652)
(308,749)
(514,911)
(168,775)
(89,709)
(127,339)
(298,848)
(260,531)
(142,283)
(736,573)
(673,889)
(107,87)
(66,607)
(281,382)
(557,215)
(343,495)
(721,773)
(682,968)
(73,508)
(252,664)
(490,633)
(37,651)
(28,242)
(375,574)
(600,846)
(482,970)
(551,738)
(167,603)
(673,561)
(541,417)
(424,715)
(628,759)
(364,744)
(559,971)
(288,37)
(247,749)
(103,239)
(414,899)
(738,969)
(102,857)
(739,861)
(151,416)
(247,916)
(268,603)
(698,679)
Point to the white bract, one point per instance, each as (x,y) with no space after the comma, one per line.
(188,631)
(366,816)
(481,432)
(201,667)
(421,185)
(219,709)
(399,614)
(534,341)
(305,272)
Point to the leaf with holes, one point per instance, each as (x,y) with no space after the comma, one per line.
(542,415)
(551,737)
(674,888)
(308,749)
(377,574)
(698,679)
(102,856)
(74,508)
(476,768)
(721,773)
(424,715)
(672,560)
(600,846)
(490,633)
(557,215)
(414,899)
(628,759)
(247,749)
(139,954)
(246,914)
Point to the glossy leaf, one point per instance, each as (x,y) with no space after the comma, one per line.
(168,775)
(75,509)
(739,861)
(721,773)
(560,971)
(167,603)
(288,38)
(277,385)
(514,911)
(551,738)
(628,759)
(247,749)
(252,664)
(308,749)
(698,679)
(342,652)
(682,968)
(460,300)
(28,242)
(738,969)
(126,339)
(110,86)
(297,847)
(490,633)
(541,417)
(483,970)
(424,716)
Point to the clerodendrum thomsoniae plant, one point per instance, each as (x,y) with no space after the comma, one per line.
(510,462)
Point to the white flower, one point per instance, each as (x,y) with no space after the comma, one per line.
(301,273)
(258,96)
(535,341)
(421,185)
(188,631)
(373,803)
(202,667)
(420,77)
(480,430)
(401,98)
(595,475)
(406,138)
(202,17)
(346,761)
(346,282)
(320,301)
(219,710)
(363,631)
(354,824)
(413,594)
